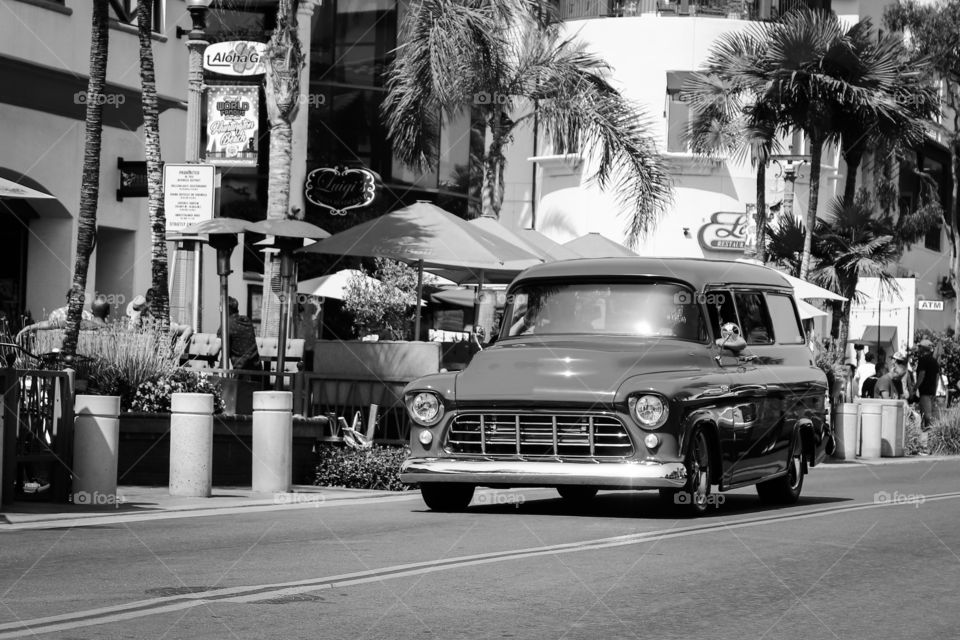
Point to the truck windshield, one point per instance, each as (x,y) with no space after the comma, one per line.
(642,309)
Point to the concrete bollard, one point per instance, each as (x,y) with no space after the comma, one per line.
(272,441)
(191,444)
(96,435)
(848,425)
(892,428)
(871,419)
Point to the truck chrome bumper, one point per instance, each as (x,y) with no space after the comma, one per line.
(626,475)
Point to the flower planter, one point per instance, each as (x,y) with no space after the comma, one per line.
(144,449)
(386,360)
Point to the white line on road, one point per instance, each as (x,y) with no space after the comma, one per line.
(259,593)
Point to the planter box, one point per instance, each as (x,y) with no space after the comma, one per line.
(144,451)
(386,360)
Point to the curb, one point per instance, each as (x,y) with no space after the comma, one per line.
(875,462)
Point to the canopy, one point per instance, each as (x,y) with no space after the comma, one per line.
(10,189)
(553,250)
(882,334)
(594,245)
(802,290)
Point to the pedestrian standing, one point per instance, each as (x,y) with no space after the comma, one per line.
(928,376)
(867,369)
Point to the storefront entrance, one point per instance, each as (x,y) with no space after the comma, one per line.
(15,216)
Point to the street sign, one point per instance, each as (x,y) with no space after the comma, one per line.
(930,305)
(236,58)
(188,191)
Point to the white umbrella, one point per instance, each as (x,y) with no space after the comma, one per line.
(335,284)
(808,311)
(10,189)
(802,289)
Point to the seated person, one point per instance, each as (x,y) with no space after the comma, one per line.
(58,320)
(243,339)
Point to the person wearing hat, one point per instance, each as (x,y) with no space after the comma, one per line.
(137,310)
(928,375)
(890,384)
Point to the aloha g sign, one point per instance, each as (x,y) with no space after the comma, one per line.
(340,189)
(726,231)
(236,58)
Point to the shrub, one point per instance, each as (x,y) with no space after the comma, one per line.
(117,359)
(153,396)
(944,435)
(376,468)
(386,307)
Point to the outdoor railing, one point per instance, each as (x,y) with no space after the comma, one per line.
(322,395)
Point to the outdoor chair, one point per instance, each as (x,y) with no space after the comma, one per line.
(293,359)
(203,351)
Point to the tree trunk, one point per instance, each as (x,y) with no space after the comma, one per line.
(816,151)
(160,304)
(761,213)
(853,159)
(492,173)
(953,232)
(90,183)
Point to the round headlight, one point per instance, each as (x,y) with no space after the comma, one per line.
(425,408)
(650,411)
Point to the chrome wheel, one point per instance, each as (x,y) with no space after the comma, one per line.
(695,497)
(787,488)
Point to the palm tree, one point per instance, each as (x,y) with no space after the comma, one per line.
(284,62)
(90,183)
(785,244)
(912,101)
(854,243)
(160,303)
(728,116)
(495,58)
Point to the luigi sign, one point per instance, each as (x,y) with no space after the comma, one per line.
(340,189)
(726,231)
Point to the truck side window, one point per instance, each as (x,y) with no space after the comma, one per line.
(786,323)
(756,327)
(720,309)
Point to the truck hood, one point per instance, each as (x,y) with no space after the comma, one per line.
(563,372)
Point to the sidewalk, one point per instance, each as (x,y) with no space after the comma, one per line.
(146,503)
(834,463)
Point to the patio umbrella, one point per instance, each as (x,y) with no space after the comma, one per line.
(808,311)
(427,236)
(288,235)
(594,245)
(333,285)
(553,250)
(802,290)
(222,235)
(10,189)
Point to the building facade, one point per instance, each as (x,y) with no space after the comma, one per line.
(652,47)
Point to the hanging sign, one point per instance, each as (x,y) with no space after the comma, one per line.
(188,191)
(236,58)
(233,114)
(340,189)
(930,305)
(726,231)
(133,179)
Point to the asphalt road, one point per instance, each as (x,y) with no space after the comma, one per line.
(869,552)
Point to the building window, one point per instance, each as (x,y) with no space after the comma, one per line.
(677,113)
(126,12)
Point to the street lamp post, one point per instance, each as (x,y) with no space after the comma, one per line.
(789,164)
(196,43)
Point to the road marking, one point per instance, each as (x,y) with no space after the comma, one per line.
(257,593)
(101,520)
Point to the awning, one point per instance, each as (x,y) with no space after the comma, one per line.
(887,335)
(10,189)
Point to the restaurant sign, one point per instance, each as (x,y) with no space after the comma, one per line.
(236,58)
(726,231)
(340,189)
(233,115)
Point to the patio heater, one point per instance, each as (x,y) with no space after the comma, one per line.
(288,236)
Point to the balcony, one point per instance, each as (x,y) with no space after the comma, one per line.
(733,9)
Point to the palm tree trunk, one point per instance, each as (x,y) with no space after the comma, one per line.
(761,211)
(853,159)
(492,173)
(954,234)
(816,152)
(278,186)
(90,183)
(160,304)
